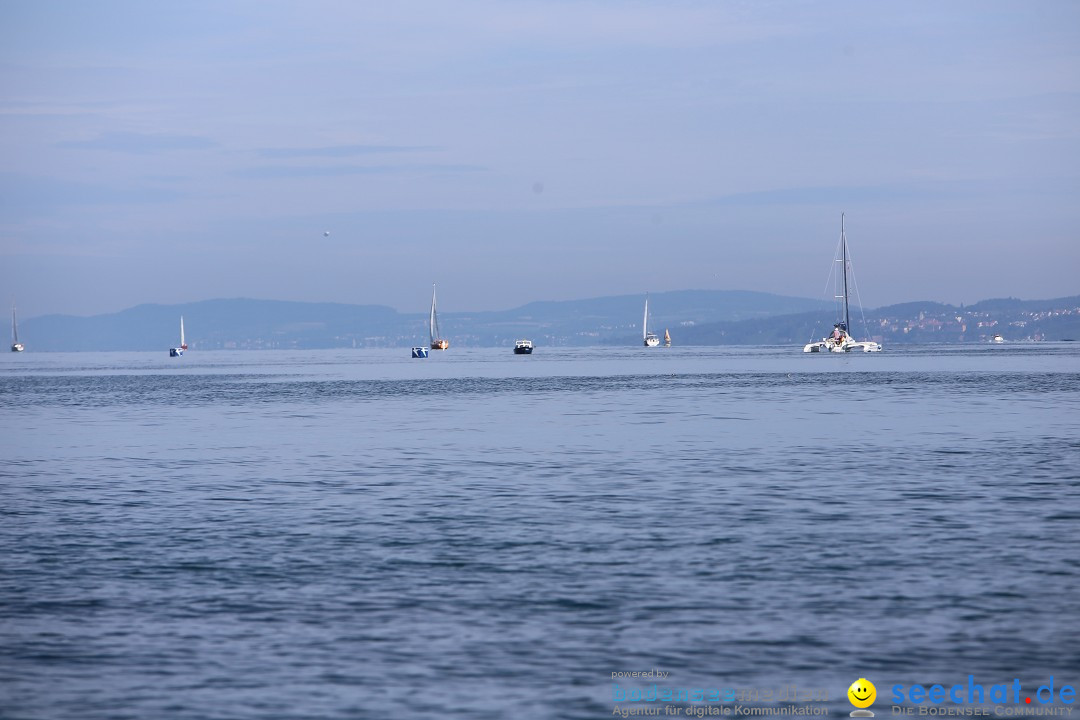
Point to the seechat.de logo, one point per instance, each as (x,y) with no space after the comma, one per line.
(975,693)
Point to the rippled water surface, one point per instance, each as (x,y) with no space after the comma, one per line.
(355,534)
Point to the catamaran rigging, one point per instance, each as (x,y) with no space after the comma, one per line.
(840,339)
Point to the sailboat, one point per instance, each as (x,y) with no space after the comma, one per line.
(438,342)
(840,339)
(649,338)
(178,351)
(16,346)
(667,338)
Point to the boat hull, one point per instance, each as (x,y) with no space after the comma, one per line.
(652,341)
(523,351)
(17,347)
(828,346)
(440,344)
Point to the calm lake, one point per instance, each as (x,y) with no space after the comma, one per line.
(356,534)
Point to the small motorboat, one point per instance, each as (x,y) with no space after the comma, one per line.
(523,347)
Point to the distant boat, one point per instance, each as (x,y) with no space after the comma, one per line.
(997,339)
(840,340)
(649,338)
(16,346)
(438,342)
(667,338)
(523,347)
(178,351)
(420,352)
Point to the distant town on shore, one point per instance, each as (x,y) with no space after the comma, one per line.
(693,317)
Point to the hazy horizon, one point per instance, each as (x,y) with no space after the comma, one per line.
(457,311)
(529,151)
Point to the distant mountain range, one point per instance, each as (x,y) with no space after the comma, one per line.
(909,323)
(694,317)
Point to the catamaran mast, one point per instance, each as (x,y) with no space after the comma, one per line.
(843,241)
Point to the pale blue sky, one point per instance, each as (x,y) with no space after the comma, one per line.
(519,151)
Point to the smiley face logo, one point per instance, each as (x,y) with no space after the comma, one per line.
(862,693)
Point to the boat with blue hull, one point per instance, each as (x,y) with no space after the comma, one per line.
(178,351)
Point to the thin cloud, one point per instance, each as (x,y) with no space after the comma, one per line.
(24,195)
(341,151)
(140,143)
(287,171)
(828,195)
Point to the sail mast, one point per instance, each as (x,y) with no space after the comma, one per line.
(14,326)
(431,320)
(182,343)
(843,241)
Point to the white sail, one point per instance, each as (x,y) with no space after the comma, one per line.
(438,342)
(182,343)
(16,346)
(648,338)
(645,322)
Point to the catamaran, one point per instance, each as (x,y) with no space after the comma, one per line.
(16,346)
(438,342)
(178,351)
(650,339)
(840,339)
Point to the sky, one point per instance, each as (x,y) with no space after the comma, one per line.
(516,151)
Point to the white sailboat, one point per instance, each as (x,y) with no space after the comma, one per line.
(16,346)
(840,339)
(179,350)
(650,339)
(438,342)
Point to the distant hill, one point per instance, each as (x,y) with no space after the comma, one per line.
(262,324)
(906,323)
(212,324)
(695,317)
(595,320)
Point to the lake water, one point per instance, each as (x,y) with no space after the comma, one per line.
(356,534)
